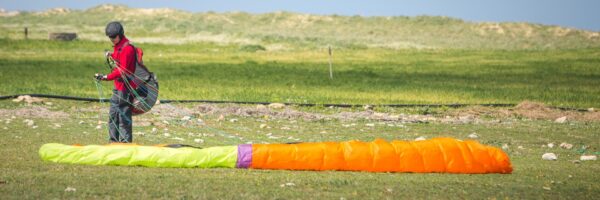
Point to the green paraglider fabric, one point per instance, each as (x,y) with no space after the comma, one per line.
(149,156)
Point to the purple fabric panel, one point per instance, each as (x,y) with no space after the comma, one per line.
(244,158)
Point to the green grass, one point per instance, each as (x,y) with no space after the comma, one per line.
(23,175)
(364,76)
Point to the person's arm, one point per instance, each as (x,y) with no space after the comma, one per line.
(123,64)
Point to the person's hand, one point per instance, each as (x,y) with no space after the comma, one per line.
(100,77)
(107,53)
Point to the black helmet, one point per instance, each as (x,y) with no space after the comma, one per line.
(113,29)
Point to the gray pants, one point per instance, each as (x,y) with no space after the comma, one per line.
(119,120)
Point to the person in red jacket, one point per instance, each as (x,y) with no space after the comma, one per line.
(120,121)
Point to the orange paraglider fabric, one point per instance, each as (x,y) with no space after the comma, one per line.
(443,155)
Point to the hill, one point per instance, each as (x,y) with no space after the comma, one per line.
(281,30)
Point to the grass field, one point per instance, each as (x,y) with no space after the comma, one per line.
(23,175)
(567,78)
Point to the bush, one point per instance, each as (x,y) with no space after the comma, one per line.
(252,48)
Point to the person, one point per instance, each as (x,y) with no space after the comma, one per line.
(120,121)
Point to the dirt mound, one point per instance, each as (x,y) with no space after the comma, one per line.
(536,110)
(33,112)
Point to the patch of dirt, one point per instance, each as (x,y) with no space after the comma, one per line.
(33,112)
(529,110)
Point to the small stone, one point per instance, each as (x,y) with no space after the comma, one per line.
(186,118)
(565,145)
(139,133)
(262,126)
(368,107)
(520,147)
(81,122)
(323,132)
(34,127)
(588,158)
(233,120)
(505,147)
(99,127)
(473,136)
(48,103)
(199,140)
(167,134)
(178,138)
(420,138)
(261,107)
(285,128)
(70,189)
(276,106)
(546,188)
(561,120)
(370,125)
(221,118)
(591,110)
(550,145)
(154,130)
(549,156)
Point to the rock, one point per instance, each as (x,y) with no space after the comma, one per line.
(70,189)
(591,110)
(276,106)
(29,122)
(261,107)
(549,156)
(199,140)
(588,158)
(420,138)
(233,120)
(550,145)
(186,118)
(561,120)
(139,133)
(368,107)
(178,138)
(167,134)
(262,126)
(62,36)
(99,127)
(547,188)
(505,147)
(154,130)
(565,145)
(370,125)
(473,136)
(28,99)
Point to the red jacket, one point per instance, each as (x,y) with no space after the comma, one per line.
(124,56)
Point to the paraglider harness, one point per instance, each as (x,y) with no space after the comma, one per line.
(146,93)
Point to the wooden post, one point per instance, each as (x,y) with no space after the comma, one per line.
(330,65)
(25,32)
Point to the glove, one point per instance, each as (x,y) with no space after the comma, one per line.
(100,77)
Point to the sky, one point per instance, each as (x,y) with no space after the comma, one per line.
(581,14)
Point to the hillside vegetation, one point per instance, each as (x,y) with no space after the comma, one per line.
(286,30)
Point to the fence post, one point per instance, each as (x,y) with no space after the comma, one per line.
(25,31)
